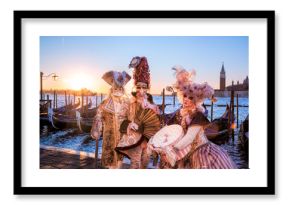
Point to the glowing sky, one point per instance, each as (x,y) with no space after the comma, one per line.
(80,61)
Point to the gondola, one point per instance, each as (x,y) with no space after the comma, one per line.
(244,134)
(44,118)
(85,119)
(43,108)
(67,119)
(63,121)
(219,127)
(67,108)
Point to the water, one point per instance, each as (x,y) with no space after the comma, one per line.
(74,139)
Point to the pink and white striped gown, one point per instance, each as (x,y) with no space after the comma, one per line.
(209,156)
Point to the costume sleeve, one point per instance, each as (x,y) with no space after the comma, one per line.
(124,125)
(198,118)
(97,125)
(128,117)
(131,111)
(188,138)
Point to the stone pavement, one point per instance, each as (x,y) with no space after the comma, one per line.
(60,158)
(57,159)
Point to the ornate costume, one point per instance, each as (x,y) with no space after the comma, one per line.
(142,117)
(203,154)
(192,150)
(110,114)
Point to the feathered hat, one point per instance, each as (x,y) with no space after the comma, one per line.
(141,73)
(116,79)
(185,86)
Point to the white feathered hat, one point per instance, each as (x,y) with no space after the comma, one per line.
(185,86)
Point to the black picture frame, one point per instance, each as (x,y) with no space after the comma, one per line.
(19,189)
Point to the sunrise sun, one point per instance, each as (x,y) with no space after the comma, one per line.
(79,81)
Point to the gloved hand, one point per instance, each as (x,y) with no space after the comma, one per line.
(94,134)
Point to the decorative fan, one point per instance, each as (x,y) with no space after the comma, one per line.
(168,135)
(163,141)
(148,122)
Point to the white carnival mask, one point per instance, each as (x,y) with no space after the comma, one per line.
(118,91)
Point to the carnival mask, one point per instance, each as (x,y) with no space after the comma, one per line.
(141,92)
(118,91)
(187,103)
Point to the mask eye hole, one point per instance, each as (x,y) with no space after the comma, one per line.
(118,89)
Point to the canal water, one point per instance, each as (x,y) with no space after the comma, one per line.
(73,139)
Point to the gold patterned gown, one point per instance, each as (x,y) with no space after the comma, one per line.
(110,114)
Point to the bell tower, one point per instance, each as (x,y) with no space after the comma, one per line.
(223,78)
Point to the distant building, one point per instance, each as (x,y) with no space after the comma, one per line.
(223,78)
(236,87)
(240,87)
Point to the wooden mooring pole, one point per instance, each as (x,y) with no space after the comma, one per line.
(232,111)
(173,98)
(229,118)
(87,99)
(65,99)
(82,102)
(101,97)
(97,152)
(69,102)
(96,99)
(211,110)
(237,110)
(232,103)
(48,101)
(74,98)
(163,106)
(41,76)
(55,100)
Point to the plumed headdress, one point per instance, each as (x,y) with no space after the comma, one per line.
(185,86)
(116,79)
(141,73)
